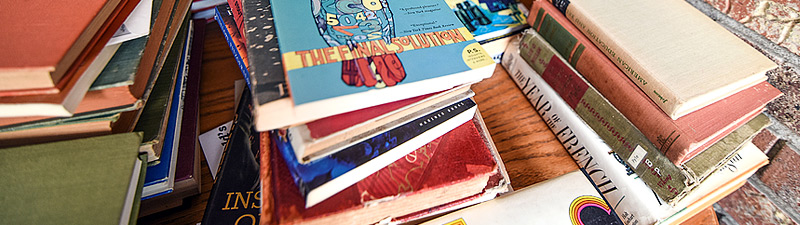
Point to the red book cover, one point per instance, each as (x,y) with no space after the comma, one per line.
(678,139)
(236,10)
(454,166)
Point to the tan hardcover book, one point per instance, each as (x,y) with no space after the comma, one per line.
(678,56)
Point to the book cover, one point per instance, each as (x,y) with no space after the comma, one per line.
(679,139)
(236,195)
(328,135)
(322,178)
(667,180)
(411,184)
(679,57)
(91,180)
(339,57)
(567,199)
(223,14)
(626,192)
(492,22)
(46,63)
(267,82)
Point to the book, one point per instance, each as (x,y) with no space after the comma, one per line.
(45,183)
(322,178)
(629,196)
(163,106)
(492,22)
(224,17)
(267,82)
(679,139)
(236,195)
(633,200)
(328,135)
(410,186)
(398,38)
(567,199)
(46,64)
(667,180)
(675,74)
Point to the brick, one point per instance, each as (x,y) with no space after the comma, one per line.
(749,206)
(772,19)
(764,140)
(782,176)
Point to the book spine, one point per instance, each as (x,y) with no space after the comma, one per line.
(666,179)
(651,86)
(609,80)
(264,57)
(225,21)
(626,192)
(236,13)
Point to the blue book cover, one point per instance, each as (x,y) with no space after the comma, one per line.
(363,156)
(222,14)
(356,54)
(160,176)
(490,19)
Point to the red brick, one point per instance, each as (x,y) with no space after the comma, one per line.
(764,140)
(749,206)
(770,23)
(782,176)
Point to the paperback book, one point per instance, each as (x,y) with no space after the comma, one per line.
(344,57)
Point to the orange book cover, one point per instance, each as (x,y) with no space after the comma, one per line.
(678,139)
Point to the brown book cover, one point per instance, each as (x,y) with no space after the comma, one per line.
(679,139)
(409,185)
(45,39)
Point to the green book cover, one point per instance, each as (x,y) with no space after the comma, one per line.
(83,181)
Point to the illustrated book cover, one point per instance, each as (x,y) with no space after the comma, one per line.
(343,57)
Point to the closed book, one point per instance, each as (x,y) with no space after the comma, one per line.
(679,57)
(92,180)
(665,178)
(492,22)
(46,64)
(267,81)
(236,195)
(318,138)
(633,200)
(341,58)
(224,17)
(458,165)
(324,177)
(567,199)
(679,139)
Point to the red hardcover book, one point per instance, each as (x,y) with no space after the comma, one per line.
(680,139)
(407,187)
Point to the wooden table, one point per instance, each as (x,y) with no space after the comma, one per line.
(528,147)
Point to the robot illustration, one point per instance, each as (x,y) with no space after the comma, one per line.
(349,22)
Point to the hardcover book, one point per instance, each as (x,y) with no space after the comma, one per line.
(457,167)
(236,195)
(679,57)
(679,139)
(322,178)
(567,199)
(92,180)
(343,57)
(667,180)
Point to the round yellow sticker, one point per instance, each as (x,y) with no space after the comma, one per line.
(475,57)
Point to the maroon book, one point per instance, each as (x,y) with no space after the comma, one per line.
(456,166)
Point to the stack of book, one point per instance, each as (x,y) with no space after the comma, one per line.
(356,110)
(658,108)
(117,67)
